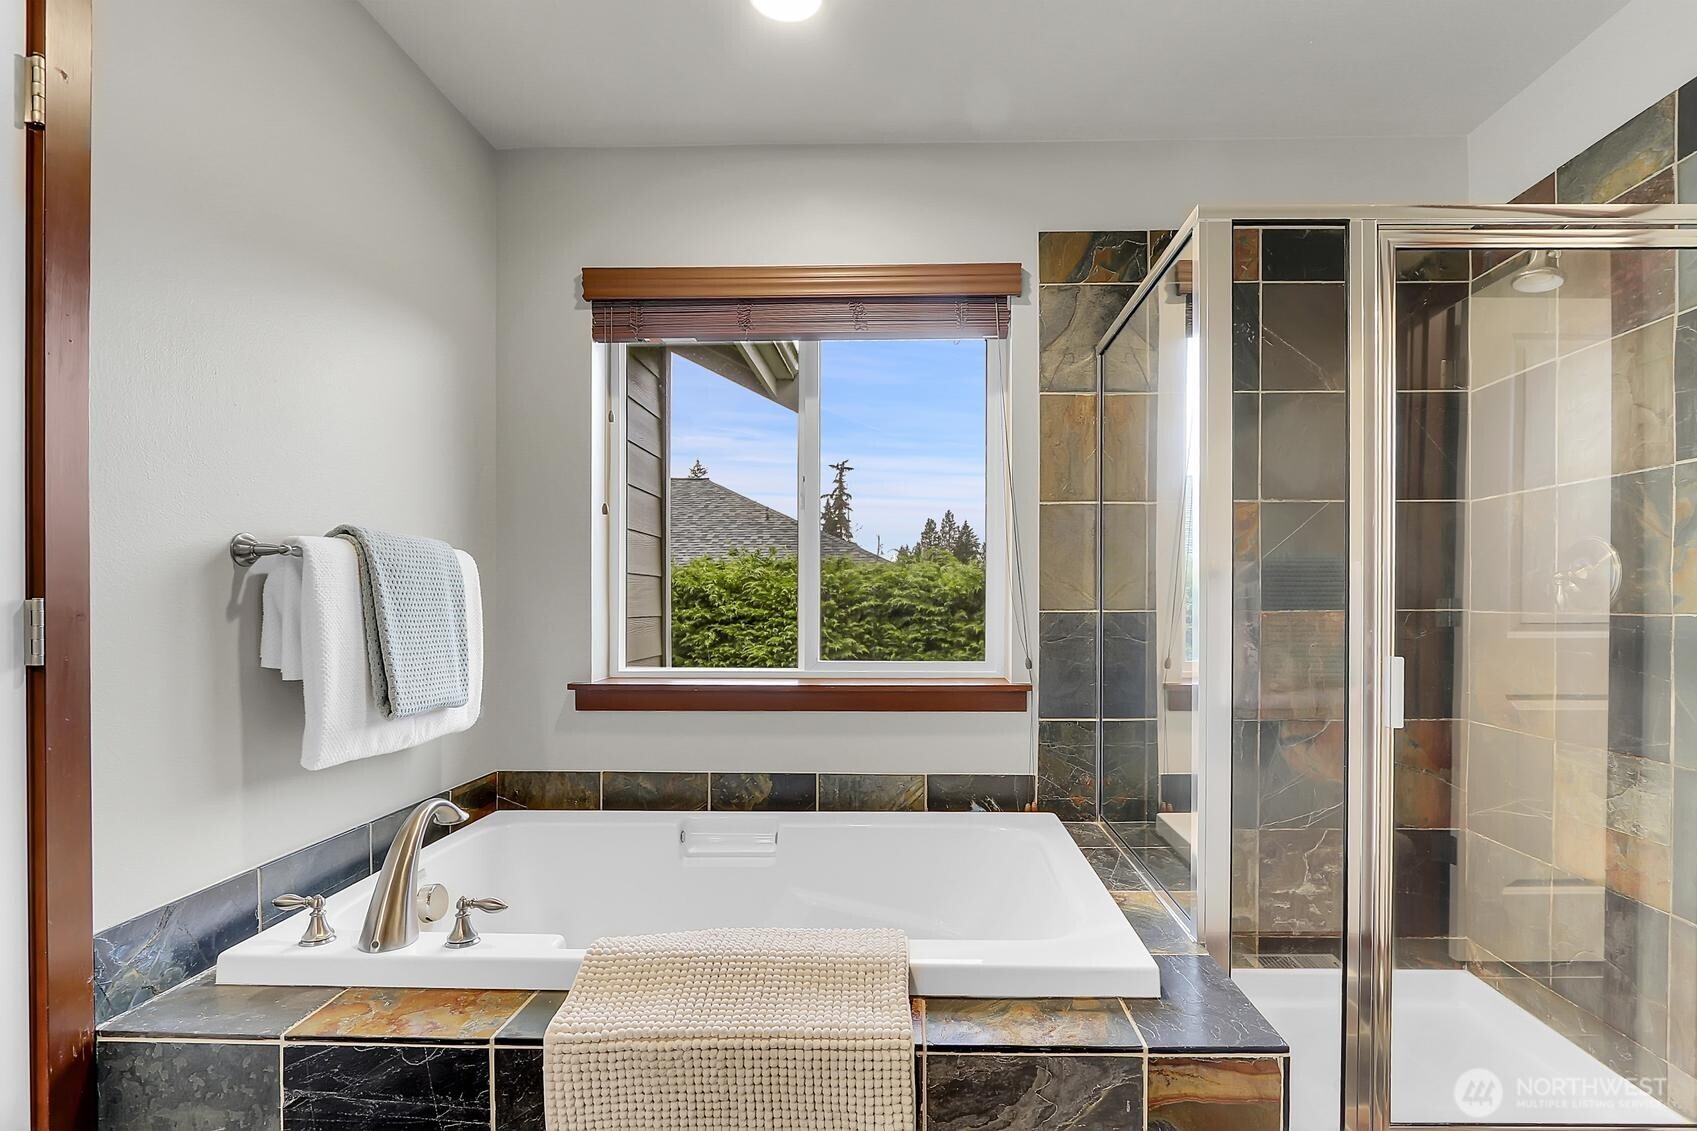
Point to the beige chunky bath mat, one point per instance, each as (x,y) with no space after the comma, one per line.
(735,1030)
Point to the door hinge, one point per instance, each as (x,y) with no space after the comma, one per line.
(37,652)
(35,105)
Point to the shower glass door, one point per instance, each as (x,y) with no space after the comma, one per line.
(1543,845)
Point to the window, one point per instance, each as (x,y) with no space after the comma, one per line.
(831,507)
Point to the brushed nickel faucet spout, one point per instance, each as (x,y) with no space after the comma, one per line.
(391,922)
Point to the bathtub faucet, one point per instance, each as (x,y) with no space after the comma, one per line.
(391,922)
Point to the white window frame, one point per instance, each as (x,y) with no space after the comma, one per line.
(998,549)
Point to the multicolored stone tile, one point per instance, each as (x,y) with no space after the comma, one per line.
(1067,449)
(885,793)
(1246,253)
(437,1016)
(1194,1094)
(1066,669)
(477,797)
(1092,257)
(653,790)
(202,1009)
(1425,758)
(971,1092)
(1304,337)
(1155,925)
(151,953)
(1028,1023)
(549,789)
(1066,545)
(318,869)
(1071,320)
(765,792)
(144,1085)
(530,1023)
(1643,146)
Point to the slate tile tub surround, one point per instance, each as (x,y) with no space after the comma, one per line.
(260,1056)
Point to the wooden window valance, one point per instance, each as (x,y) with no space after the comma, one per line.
(916,300)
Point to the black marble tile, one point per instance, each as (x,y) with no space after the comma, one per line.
(1304,446)
(379,1087)
(1022,1024)
(1304,556)
(1431,335)
(1300,779)
(1010,1092)
(1159,238)
(1431,439)
(653,790)
(1685,385)
(1425,859)
(1128,665)
(1071,320)
(1115,869)
(1130,758)
(318,869)
(1640,685)
(1303,254)
(530,1023)
(1426,641)
(1089,834)
(766,792)
(1166,865)
(1428,555)
(1304,337)
(195,1085)
(518,1090)
(1066,673)
(1299,890)
(1610,166)
(384,830)
(1092,257)
(1066,769)
(203,1009)
(863,793)
(1154,924)
(153,952)
(1201,1010)
(1246,336)
(549,789)
(1303,664)
(1246,446)
(979,793)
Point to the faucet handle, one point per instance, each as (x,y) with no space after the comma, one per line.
(318,930)
(464,934)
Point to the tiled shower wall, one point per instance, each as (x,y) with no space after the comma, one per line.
(1575,783)
(1084,280)
(1289,481)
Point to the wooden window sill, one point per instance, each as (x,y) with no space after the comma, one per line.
(674,693)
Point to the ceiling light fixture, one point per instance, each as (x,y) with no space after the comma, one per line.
(786,11)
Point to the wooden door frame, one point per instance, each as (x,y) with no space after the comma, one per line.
(61,910)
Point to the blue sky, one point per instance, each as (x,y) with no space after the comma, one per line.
(908,416)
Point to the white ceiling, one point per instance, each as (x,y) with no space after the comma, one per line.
(715,72)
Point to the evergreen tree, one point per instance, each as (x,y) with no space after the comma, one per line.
(698,470)
(968,546)
(838,504)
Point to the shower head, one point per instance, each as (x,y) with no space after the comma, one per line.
(1541,275)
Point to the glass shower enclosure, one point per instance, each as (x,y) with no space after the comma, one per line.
(1423,588)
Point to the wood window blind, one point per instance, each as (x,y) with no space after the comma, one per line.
(929,300)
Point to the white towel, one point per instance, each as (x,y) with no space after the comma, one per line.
(280,615)
(343,721)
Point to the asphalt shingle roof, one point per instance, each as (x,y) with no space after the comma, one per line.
(709,519)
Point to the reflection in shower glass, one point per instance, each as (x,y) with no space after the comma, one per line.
(1546,587)
(1150,404)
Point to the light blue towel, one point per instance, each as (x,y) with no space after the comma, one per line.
(413,594)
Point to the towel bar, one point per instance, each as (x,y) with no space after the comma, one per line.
(245,549)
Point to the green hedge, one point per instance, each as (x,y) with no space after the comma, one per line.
(739,611)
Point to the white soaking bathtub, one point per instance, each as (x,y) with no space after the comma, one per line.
(994,905)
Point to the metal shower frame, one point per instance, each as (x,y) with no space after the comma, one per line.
(1375,234)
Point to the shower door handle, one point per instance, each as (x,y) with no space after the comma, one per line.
(1393,692)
